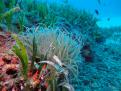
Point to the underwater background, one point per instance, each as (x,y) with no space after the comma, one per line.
(60,45)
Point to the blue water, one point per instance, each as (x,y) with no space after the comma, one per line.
(106,8)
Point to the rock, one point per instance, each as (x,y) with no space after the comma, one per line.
(1,61)
(7,58)
(14,60)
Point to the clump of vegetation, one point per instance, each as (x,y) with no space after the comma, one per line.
(43,10)
(20,51)
(43,75)
(7,16)
(54,42)
(47,15)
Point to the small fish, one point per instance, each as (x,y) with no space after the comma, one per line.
(97,12)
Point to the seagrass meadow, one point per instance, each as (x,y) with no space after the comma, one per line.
(48,45)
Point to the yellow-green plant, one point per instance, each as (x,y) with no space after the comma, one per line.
(21,52)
